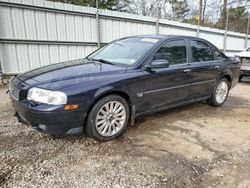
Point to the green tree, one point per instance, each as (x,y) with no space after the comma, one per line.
(103,4)
(180,9)
(237,19)
(237,15)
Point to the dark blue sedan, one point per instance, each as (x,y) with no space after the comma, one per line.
(130,77)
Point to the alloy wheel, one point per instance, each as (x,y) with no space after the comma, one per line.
(221,92)
(111,118)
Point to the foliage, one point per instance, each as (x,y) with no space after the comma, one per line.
(237,19)
(211,13)
(180,9)
(103,4)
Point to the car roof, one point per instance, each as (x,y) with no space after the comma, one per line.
(164,37)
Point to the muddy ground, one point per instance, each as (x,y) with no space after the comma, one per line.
(192,146)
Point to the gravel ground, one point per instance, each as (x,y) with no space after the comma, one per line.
(192,146)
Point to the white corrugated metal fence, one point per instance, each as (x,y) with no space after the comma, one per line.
(34,33)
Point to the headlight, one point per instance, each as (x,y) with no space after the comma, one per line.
(46,96)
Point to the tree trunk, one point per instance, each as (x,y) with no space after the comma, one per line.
(200,12)
(224,15)
(204,10)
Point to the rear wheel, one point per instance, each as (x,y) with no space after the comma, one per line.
(220,93)
(108,118)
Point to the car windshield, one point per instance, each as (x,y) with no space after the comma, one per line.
(125,51)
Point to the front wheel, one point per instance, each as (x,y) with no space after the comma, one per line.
(220,93)
(108,118)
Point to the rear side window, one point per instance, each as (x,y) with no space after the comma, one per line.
(201,51)
(173,51)
(218,54)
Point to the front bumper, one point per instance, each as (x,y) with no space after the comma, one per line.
(50,119)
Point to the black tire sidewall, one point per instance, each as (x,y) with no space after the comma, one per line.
(240,78)
(213,100)
(90,126)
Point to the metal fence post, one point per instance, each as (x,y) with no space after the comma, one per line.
(199,25)
(246,41)
(98,29)
(198,31)
(1,74)
(157,27)
(1,70)
(225,35)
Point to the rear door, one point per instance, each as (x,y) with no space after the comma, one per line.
(206,68)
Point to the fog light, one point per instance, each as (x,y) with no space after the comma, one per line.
(41,126)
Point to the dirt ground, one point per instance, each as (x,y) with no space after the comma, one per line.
(192,146)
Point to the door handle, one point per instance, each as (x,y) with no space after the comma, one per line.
(217,67)
(187,70)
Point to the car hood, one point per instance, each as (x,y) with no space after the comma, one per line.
(244,54)
(69,70)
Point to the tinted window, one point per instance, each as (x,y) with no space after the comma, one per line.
(173,51)
(217,53)
(201,51)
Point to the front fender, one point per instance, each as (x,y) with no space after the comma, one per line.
(103,90)
(111,90)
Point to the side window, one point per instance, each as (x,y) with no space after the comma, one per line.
(201,51)
(218,54)
(173,51)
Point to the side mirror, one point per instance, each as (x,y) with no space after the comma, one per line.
(157,64)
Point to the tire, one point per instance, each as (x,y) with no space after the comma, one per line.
(240,78)
(222,89)
(108,118)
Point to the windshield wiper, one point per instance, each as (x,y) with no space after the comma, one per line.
(103,61)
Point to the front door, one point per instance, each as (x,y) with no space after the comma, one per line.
(167,86)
